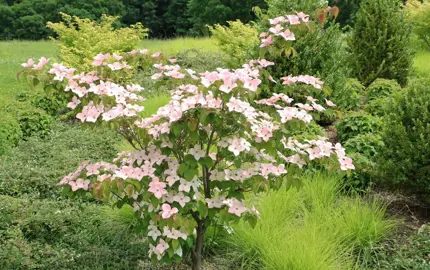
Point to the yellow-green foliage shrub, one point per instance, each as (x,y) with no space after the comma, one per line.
(237,40)
(81,39)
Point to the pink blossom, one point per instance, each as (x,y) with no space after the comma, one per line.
(42,62)
(293,19)
(266,42)
(155,55)
(276,29)
(197,152)
(144,51)
(263,35)
(238,145)
(157,188)
(29,63)
(346,164)
(287,35)
(303,16)
(161,247)
(116,56)
(115,66)
(172,60)
(80,184)
(90,112)
(153,232)
(181,199)
(236,207)
(74,103)
(330,103)
(168,211)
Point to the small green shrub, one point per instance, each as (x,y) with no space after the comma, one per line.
(378,106)
(356,123)
(367,144)
(53,105)
(381,88)
(42,234)
(200,61)
(404,161)
(38,164)
(81,39)
(10,133)
(349,97)
(32,121)
(379,44)
(237,40)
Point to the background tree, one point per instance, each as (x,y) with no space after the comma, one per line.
(380,42)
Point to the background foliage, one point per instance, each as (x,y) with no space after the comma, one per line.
(26,19)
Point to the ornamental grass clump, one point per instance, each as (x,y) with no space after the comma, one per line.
(196,157)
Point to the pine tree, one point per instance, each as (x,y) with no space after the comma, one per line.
(379,43)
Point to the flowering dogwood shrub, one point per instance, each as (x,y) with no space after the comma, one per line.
(195,158)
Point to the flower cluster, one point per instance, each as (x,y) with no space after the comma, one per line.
(279,28)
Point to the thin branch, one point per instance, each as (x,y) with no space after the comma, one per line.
(130,141)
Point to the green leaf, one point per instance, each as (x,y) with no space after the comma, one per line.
(206,161)
(192,124)
(175,244)
(171,252)
(203,117)
(202,208)
(182,168)
(189,174)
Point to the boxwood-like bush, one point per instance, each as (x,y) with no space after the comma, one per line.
(404,162)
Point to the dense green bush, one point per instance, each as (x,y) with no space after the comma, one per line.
(38,164)
(355,123)
(237,40)
(81,39)
(404,161)
(380,42)
(350,96)
(367,144)
(379,94)
(32,121)
(381,88)
(362,148)
(10,133)
(377,107)
(200,61)
(42,234)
